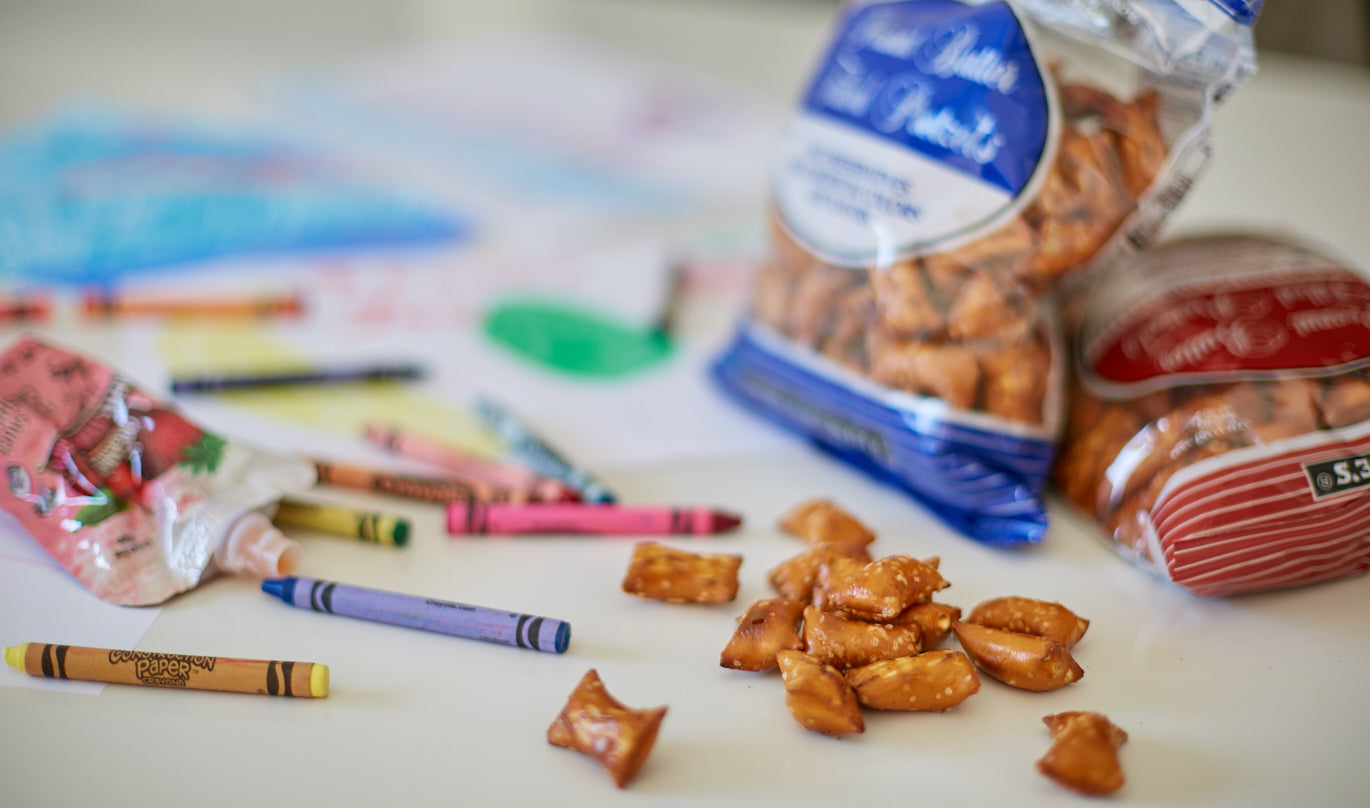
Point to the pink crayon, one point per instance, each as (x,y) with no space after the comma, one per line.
(475,518)
(515,478)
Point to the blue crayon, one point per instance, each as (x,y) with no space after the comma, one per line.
(533,452)
(429,614)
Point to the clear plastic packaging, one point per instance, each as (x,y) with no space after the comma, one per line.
(951,167)
(1219,429)
(129,496)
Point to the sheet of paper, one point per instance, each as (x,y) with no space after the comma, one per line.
(40,602)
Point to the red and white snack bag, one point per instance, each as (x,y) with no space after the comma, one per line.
(1219,426)
(128,495)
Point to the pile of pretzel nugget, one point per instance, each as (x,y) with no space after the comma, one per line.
(849,631)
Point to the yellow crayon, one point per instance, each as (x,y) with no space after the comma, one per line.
(373,526)
(153,669)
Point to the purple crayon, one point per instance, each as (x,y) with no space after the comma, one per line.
(429,614)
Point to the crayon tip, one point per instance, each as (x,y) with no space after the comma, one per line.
(400,535)
(723,522)
(563,638)
(278,587)
(14,654)
(318,681)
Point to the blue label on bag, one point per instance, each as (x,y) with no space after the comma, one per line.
(925,121)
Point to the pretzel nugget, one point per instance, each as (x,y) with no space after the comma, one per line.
(596,724)
(658,572)
(1084,752)
(832,574)
(884,588)
(933,681)
(818,696)
(819,521)
(1029,616)
(845,643)
(796,576)
(1019,660)
(935,620)
(767,627)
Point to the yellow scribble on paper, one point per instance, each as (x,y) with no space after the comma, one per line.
(343,409)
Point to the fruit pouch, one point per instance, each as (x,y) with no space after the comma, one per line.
(128,495)
(951,166)
(1219,429)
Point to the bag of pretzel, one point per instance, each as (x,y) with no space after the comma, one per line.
(952,163)
(1219,427)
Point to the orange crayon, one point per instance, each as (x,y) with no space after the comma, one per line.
(153,669)
(533,486)
(105,304)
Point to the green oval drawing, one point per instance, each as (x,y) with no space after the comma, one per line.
(574,341)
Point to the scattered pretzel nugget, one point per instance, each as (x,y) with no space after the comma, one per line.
(795,577)
(1084,752)
(933,681)
(819,521)
(596,724)
(1024,661)
(885,587)
(845,643)
(767,627)
(658,572)
(818,696)
(1028,616)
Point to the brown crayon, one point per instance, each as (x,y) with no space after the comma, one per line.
(423,489)
(153,669)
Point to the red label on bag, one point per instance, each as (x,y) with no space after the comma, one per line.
(1292,313)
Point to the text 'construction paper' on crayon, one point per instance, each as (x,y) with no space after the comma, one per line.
(154,669)
(424,613)
(473,518)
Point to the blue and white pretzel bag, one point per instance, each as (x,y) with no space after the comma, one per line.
(952,164)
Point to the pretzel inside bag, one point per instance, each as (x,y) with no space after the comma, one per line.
(967,325)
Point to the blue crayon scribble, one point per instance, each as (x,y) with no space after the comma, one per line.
(88,195)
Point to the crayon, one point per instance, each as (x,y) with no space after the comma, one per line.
(373,526)
(422,489)
(472,518)
(105,304)
(19,307)
(319,375)
(424,613)
(531,485)
(529,448)
(153,669)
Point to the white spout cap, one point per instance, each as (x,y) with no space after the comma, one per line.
(255,546)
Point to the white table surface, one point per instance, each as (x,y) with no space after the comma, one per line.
(1257,700)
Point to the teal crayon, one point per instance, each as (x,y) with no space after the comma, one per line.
(531,450)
